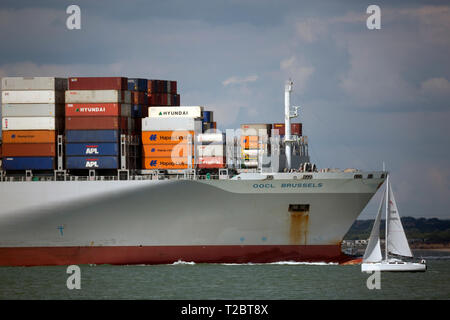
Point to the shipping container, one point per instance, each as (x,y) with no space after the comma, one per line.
(167,150)
(135,84)
(94,123)
(207,116)
(34,83)
(92,149)
(252,142)
(136,111)
(167,137)
(29,136)
(33,110)
(97,109)
(32,123)
(29,150)
(255,129)
(173,87)
(28,163)
(168,124)
(92,162)
(165,163)
(98,83)
(175,112)
(211,150)
(152,86)
(98,96)
(205,138)
(32,96)
(73,136)
(211,162)
(138,97)
(296,129)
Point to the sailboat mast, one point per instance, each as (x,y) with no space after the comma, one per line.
(387,214)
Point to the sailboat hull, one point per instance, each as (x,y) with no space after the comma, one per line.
(393,267)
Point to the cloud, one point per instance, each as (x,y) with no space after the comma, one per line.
(298,71)
(435,87)
(236,80)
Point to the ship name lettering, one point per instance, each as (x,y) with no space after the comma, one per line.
(301,185)
(263,185)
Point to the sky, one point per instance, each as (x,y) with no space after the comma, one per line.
(366,96)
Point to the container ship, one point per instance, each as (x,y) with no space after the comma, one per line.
(114,170)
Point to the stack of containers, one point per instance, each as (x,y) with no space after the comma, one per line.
(139,109)
(254,141)
(32,118)
(211,151)
(168,137)
(162,93)
(98,111)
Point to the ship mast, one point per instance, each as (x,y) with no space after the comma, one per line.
(287,122)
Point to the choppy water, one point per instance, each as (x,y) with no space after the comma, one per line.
(280,281)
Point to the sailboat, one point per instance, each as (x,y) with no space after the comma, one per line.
(396,244)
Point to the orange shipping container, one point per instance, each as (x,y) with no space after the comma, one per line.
(166,137)
(249,142)
(167,150)
(165,163)
(29,136)
(29,150)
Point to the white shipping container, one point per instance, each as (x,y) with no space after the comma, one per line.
(171,124)
(32,96)
(211,138)
(34,83)
(98,96)
(33,110)
(211,150)
(31,123)
(175,112)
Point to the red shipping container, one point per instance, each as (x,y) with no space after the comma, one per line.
(92,123)
(211,162)
(296,129)
(29,150)
(173,87)
(138,97)
(93,109)
(98,83)
(124,124)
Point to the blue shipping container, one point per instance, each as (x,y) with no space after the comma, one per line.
(92,149)
(28,163)
(135,84)
(136,111)
(92,162)
(207,116)
(92,136)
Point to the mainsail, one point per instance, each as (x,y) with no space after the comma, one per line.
(373,250)
(396,238)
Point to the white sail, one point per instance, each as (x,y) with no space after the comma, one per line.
(397,242)
(373,250)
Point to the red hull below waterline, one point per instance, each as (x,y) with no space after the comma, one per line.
(128,255)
